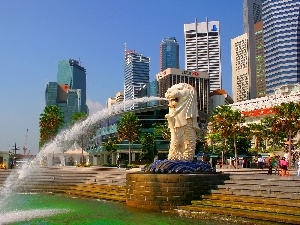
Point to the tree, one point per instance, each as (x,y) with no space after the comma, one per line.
(78,116)
(111,145)
(129,128)
(50,121)
(287,117)
(227,122)
(148,147)
(163,131)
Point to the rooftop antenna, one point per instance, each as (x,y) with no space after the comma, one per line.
(125,47)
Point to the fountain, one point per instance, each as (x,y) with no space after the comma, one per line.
(178,180)
(162,190)
(56,146)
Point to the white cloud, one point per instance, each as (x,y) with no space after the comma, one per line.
(93,106)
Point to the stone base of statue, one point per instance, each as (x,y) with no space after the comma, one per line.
(164,191)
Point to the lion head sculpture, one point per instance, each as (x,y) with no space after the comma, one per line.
(182,100)
(182,119)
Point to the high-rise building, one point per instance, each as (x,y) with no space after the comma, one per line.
(136,74)
(202,50)
(259,60)
(69,92)
(240,68)
(68,100)
(199,80)
(281,42)
(169,53)
(71,72)
(252,14)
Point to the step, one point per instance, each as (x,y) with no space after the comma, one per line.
(192,210)
(286,210)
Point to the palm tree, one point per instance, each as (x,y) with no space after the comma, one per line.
(50,121)
(129,128)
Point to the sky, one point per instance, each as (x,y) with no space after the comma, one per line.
(36,34)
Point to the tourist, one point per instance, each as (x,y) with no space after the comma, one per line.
(270,166)
(260,162)
(276,164)
(298,167)
(283,166)
(245,162)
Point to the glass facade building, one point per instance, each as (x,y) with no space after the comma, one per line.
(70,72)
(252,12)
(69,92)
(136,75)
(169,53)
(281,42)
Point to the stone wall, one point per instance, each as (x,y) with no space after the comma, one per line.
(167,191)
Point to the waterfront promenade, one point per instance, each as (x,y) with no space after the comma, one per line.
(249,193)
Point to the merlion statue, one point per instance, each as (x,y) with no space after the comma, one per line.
(182,119)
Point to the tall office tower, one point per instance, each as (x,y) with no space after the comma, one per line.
(252,14)
(136,74)
(240,68)
(68,100)
(281,42)
(169,53)
(202,50)
(199,80)
(259,60)
(71,73)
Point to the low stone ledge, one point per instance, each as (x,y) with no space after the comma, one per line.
(167,191)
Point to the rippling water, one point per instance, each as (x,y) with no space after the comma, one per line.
(50,209)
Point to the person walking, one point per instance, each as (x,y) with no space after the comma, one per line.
(298,167)
(270,166)
(276,164)
(283,165)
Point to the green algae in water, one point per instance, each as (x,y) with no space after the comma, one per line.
(93,212)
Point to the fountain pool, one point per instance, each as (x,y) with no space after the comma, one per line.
(30,209)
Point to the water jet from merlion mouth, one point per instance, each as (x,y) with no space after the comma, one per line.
(65,137)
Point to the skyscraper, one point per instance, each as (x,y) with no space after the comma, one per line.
(71,72)
(240,68)
(281,42)
(136,74)
(69,92)
(252,11)
(202,50)
(259,60)
(169,53)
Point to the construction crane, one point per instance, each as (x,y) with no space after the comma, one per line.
(25,144)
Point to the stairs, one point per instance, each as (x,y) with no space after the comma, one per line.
(100,183)
(256,196)
(102,192)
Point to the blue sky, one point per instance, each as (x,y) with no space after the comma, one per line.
(36,34)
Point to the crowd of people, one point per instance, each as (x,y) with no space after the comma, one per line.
(278,164)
